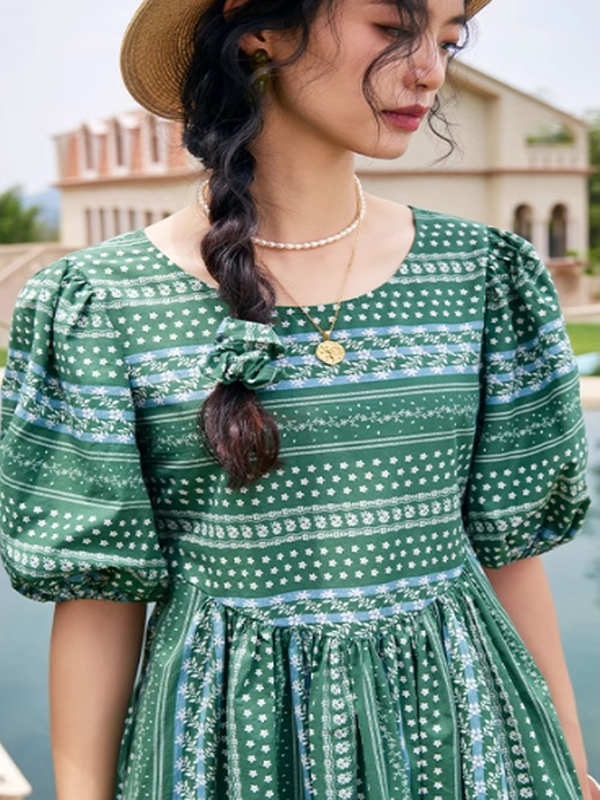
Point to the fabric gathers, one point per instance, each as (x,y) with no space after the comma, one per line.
(245,352)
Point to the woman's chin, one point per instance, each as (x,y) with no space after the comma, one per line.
(386,151)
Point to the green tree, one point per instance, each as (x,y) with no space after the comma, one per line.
(17,223)
(593,119)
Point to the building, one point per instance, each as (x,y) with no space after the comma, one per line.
(120,174)
(522,164)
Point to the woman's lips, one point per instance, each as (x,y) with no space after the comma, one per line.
(408,118)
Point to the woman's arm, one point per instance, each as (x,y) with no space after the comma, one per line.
(522,588)
(94,654)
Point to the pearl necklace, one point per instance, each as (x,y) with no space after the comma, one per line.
(360,213)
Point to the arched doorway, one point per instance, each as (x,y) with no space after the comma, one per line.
(557,231)
(523,221)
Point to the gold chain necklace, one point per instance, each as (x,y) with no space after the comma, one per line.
(327,351)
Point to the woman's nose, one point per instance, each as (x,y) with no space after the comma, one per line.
(427,65)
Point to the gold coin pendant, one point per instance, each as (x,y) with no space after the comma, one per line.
(330,352)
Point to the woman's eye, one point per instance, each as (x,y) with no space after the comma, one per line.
(402,33)
(397,33)
(451,47)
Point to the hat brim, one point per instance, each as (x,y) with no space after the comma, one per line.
(156,51)
(158,47)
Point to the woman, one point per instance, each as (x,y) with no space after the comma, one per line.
(390,435)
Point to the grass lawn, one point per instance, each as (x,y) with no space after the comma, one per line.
(584,336)
(2,357)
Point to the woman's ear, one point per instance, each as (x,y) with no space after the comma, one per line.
(249,42)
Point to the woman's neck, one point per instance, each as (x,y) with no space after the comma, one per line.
(304,189)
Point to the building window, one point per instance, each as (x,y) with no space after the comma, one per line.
(102,220)
(89,225)
(557,232)
(154,140)
(132,219)
(119,144)
(166,214)
(116,221)
(523,222)
(148,218)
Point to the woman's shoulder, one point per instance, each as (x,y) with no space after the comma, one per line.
(468,231)
(118,285)
(464,228)
(121,259)
(124,267)
(503,253)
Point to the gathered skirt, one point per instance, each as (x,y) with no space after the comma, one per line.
(428,693)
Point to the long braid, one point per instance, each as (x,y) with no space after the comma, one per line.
(220,125)
(222,117)
(237,428)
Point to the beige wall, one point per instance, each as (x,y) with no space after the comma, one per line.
(515,116)
(450,194)
(154,198)
(491,199)
(463,196)
(519,118)
(491,126)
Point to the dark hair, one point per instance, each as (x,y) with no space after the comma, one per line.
(223,115)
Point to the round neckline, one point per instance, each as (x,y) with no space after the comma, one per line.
(321,307)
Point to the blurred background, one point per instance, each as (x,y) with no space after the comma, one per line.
(79,162)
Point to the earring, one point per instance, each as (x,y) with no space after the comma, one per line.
(259,60)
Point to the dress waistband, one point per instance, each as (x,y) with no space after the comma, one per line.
(347,605)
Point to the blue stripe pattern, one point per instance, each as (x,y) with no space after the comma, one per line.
(296,681)
(81,413)
(180,705)
(354,333)
(507,355)
(390,352)
(218,642)
(167,352)
(355,592)
(387,375)
(165,377)
(390,330)
(528,390)
(106,438)
(77,388)
(475,722)
(506,377)
(349,617)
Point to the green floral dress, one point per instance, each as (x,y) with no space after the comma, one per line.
(327,632)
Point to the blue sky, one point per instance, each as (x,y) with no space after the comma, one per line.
(59,67)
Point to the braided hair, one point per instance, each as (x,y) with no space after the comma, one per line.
(222,106)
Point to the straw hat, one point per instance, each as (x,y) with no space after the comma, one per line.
(158,47)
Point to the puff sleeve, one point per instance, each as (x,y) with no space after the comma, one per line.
(75,518)
(526,492)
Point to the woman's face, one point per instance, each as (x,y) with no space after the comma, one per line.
(322,93)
